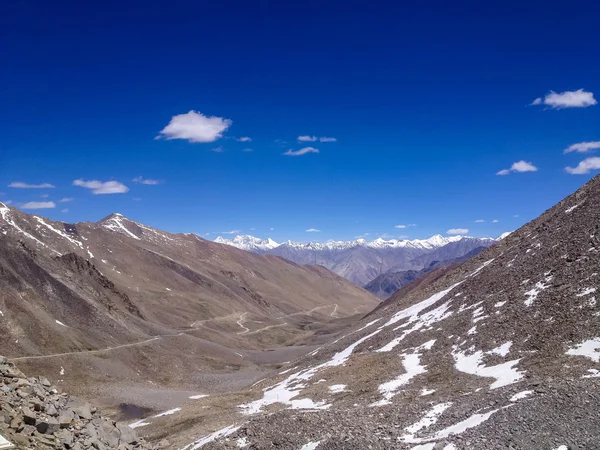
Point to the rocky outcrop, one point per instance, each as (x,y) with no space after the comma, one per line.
(35,415)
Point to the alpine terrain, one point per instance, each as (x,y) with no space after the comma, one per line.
(361,261)
(500,352)
(138,320)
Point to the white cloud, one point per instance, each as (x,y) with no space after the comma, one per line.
(457,231)
(496,220)
(21,185)
(230,232)
(218,149)
(400,226)
(45,195)
(66,199)
(7,202)
(313,230)
(38,205)
(244,139)
(583,147)
(567,99)
(302,151)
(315,139)
(519,166)
(195,127)
(272,229)
(66,210)
(479,221)
(585,166)
(142,180)
(307,138)
(102,187)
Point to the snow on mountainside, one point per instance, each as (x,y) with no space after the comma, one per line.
(501,352)
(251,243)
(361,261)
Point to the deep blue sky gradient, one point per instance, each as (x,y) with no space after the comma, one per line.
(427,100)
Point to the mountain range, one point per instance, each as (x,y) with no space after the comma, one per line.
(116,308)
(361,261)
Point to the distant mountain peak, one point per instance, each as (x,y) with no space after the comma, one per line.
(252,243)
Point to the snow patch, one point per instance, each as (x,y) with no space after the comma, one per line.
(224,432)
(310,446)
(586,291)
(520,395)
(337,388)
(533,293)
(504,373)
(590,349)
(412,367)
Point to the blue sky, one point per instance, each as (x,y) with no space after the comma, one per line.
(426,105)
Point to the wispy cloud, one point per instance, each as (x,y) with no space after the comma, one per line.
(66,210)
(585,166)
(405,226)
(7,202)
(21,185)
(247,150)
(479,221)
(316,138)
(519,166)
(45,195)
(102,187)
(66,199)
(218,149)
(195,127)
(302,151)
(455,231)
(313,230)
(496,220)
(38,205)
(583,147)
(244,139)
(567,99)
(230,232)
(142,180)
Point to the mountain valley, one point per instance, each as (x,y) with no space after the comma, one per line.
(136,319)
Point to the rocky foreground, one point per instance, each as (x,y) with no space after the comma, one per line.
(35,415)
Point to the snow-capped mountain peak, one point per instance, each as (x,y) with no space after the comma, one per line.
(249,243)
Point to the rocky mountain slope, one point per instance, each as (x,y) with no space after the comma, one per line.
(34,414)
(116,310)
(362,261)
(501,352)
(388,283)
